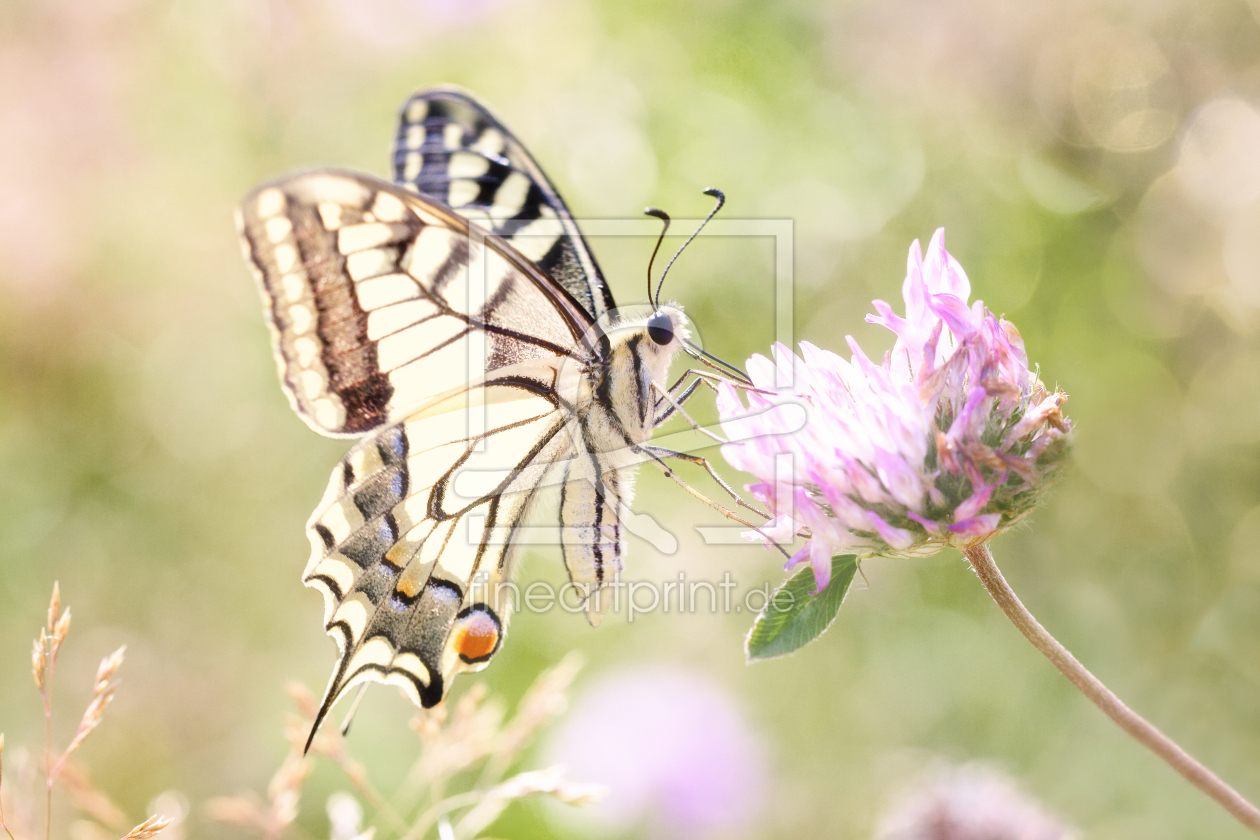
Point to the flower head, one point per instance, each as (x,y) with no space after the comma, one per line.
(950,439)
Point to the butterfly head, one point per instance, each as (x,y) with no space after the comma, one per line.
(661,335)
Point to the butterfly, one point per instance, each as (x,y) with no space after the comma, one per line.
(456,321)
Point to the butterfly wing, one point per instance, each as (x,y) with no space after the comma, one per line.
(410,562)
(379,299)
(451,147)
(392,316)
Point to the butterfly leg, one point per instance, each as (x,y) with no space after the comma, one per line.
(729,514)
(709,379)
(662,452)
(676,405)
(665,408)
(722,376)
(682,392)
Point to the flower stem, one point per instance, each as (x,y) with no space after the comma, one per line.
(981,560)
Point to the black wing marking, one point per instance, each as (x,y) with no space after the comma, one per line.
(451,147)
(380,299)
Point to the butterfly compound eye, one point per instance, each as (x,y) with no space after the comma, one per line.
(660,328)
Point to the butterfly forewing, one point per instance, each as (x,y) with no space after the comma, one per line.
(449,146)
(379,299)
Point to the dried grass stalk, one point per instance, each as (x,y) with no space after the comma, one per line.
(550,782)
(102,694)
(148,828)
(544,701)
(455,738)
(87,799)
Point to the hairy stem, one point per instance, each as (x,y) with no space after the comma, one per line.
(981,560)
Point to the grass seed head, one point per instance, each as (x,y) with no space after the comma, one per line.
(148,828)
(39,661)
(108,669)
(60,630)
(54,606)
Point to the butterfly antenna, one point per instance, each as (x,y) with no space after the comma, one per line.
(721,199)
(658,213)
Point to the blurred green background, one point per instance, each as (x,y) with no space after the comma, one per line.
(1096,167)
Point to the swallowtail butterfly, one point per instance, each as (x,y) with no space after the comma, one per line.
(457,322)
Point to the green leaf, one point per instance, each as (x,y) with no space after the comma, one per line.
(794,616)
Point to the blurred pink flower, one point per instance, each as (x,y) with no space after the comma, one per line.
(678,758)
(970,803)
(948,441)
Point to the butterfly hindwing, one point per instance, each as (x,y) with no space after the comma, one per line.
(451,147)
(380,299)
(416,532)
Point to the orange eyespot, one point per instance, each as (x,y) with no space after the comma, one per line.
(476,635)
